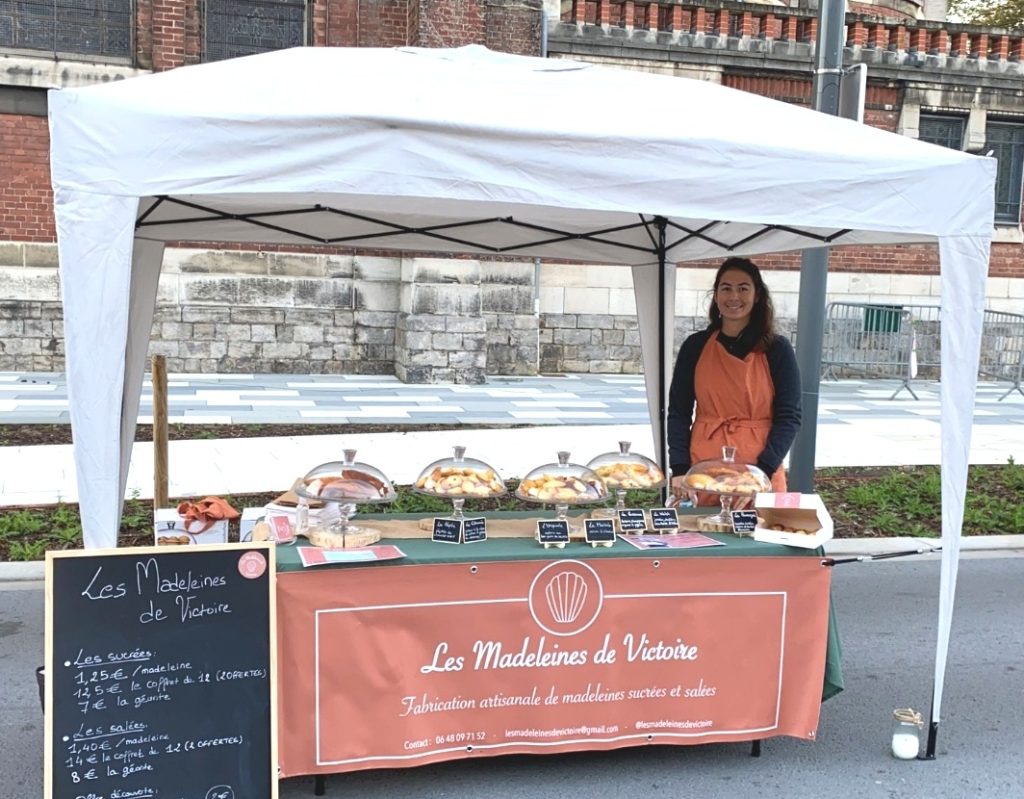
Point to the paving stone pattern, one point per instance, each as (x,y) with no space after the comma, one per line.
(31,398)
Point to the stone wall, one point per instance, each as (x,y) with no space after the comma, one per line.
(597,343)
(31,336)
(441,348)
(422,319)
(212,339)
(224,311)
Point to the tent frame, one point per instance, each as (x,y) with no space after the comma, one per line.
(451,141)
(659,246)
(656,228)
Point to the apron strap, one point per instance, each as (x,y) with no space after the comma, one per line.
(732,423)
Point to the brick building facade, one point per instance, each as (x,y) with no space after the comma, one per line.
(457,319)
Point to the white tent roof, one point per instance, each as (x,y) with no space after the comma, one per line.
(472,151)
(431,136)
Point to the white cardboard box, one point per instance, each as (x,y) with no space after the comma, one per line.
(170,527)
(798,511)
(249,518)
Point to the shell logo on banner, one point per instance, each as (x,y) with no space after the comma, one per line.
(566,597)
(566,592)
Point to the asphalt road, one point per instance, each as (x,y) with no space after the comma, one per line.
(887,618)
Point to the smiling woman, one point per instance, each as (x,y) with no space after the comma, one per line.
(736,383)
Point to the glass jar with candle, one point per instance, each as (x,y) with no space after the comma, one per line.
(905,725)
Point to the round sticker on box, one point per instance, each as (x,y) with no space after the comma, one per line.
(252,565)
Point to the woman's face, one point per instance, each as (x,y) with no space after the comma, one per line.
(735,297)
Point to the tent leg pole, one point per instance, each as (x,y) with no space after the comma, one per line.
(661,224)
(755,748)
(933,733)
(319,785)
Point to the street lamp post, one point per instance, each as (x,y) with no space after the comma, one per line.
(828,73)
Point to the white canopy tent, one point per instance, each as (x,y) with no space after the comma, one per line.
(472,151)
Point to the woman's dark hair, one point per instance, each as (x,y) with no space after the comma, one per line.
(762,318)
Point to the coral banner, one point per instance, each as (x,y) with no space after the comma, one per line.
(393,667)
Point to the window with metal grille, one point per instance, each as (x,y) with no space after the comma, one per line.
(946,131)
(91,28)
(242,27)
(1006,141)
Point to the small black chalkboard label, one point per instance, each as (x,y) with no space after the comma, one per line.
(632,519)
(744,521)
(599,530)
(447,531)
(474,530)
(553,531)
(664,518)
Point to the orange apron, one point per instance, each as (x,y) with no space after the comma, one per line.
(734,406)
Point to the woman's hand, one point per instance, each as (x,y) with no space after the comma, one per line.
(679,486)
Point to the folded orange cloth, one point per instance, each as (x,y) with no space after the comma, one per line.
(206,512)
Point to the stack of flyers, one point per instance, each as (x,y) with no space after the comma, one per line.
(315,556)
(671,541)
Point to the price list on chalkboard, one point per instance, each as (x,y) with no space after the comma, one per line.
(159,670)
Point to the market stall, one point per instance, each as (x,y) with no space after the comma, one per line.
(472,151)
(503,647)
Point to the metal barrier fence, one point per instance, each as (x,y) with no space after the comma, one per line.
(1002,349)
(902,342)
(893,341)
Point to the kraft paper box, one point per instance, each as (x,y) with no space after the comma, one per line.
(170,530)
(796,511)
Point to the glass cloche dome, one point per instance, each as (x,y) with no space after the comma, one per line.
(562,483)
(345,481)
(625,470)
(733,484)
(460,478)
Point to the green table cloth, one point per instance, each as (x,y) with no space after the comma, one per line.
(423,551)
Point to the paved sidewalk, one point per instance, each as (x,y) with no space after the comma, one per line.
(858,425)
(31,398)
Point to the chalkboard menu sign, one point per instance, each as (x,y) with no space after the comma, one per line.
(552,531)
(459,531)
(599,531)
(632,519)
(664,519)
(160,669)
(744,521)
(447,531)
(474,530)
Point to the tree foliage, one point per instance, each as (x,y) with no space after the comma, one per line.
(993,13)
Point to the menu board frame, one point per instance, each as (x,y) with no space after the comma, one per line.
(50,646)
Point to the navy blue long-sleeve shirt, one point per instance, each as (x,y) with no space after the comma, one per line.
(786,409)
